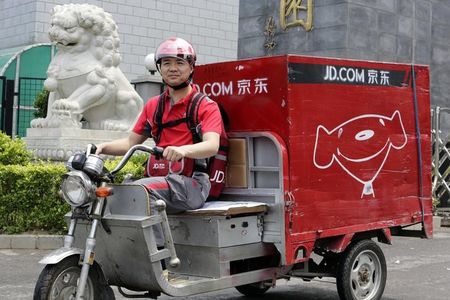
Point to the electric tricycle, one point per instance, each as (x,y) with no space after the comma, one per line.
(328,157)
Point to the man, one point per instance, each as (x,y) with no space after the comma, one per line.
(175,59)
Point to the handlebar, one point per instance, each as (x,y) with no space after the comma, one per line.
(157,151)
(91,148)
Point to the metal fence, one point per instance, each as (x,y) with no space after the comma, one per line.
(29,88)
(441,157)
(2,102)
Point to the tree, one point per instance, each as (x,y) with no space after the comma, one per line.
(40,103)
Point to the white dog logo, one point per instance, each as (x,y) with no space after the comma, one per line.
(359,143)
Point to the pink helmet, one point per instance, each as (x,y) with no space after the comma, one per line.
(175,47)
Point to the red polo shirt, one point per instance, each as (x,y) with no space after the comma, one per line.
(208,116)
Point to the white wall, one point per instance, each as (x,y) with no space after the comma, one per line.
(16,23)
(211,26)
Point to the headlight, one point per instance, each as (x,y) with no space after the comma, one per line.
(77,188)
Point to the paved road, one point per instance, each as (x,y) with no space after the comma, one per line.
(417,270)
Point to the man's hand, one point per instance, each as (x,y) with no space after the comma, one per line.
(173,153)
(99,149)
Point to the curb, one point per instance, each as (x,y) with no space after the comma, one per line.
(30,241)
(50,242)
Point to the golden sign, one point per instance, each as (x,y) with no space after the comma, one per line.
(290,14)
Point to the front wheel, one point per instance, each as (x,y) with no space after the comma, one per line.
(59,282)
(362,272)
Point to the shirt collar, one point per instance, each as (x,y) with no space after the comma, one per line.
(183,100)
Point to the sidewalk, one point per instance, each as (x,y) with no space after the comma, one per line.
(49,242)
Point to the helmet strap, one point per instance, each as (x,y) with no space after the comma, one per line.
(181,85)
(178,87)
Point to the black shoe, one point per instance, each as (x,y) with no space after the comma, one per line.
(163,262)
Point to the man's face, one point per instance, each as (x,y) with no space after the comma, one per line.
(175,71)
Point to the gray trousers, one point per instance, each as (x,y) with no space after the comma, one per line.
(180,193)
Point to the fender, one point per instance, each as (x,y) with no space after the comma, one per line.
(338,244)
(58,255)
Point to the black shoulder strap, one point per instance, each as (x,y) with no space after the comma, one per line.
(192,117)
(157,118)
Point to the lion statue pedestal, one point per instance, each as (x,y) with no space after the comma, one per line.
(59,144)
(90,99)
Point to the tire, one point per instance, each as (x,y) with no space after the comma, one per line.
(107,293)
(59,282)
(253,289)
(362,272)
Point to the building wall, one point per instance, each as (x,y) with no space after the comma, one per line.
(16,23)
(406,31)
(211,26)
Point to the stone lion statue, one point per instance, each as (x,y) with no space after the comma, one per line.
(87,88)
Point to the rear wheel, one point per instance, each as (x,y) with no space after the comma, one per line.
(251,264)
(253,289)
(59,282)
(362,272)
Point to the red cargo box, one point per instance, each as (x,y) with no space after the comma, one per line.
(356,136)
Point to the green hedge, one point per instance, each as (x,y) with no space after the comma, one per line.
(29,198)
(135,167)
(13,151)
